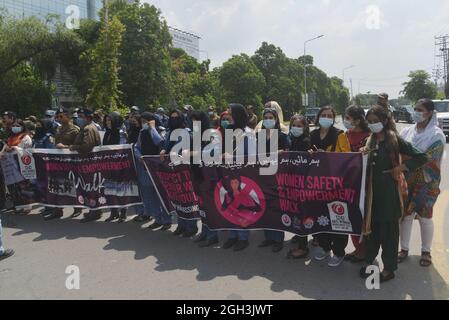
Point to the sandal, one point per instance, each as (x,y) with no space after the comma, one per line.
(291,254)
(426,260)
(402,256)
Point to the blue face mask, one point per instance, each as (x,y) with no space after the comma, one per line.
(297,132)
(145,126)
(81,122)
(269,123)
(326,123)
(225,124)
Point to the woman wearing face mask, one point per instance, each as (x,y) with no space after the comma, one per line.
(299,140)
(186,228)
(135,126)
(19,138)
(238,240)
(273,239)
(274,105)
(43,137)
(330,139)
(149,144)
(114,136)
(424,183)
(358,133)
(385,189)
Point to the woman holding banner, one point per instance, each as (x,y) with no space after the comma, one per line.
(149,144)
(358,133)
(273,239)
(330,139)
(114,136)
(386,187)
(299,140)
(423,184)
(238,240)
(186,228)
(207,237)
(19,138)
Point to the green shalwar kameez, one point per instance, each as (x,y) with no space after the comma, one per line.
(386,206)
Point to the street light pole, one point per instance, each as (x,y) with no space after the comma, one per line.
(305,64)
(347,68)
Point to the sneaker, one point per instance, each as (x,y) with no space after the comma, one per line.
(165,227)
(229,243)
(155,226)
(200,238)
(335,261)
(142,218)
(321,255)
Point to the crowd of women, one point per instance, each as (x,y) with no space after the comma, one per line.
(402,185)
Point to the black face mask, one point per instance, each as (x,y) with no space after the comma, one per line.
(175,123)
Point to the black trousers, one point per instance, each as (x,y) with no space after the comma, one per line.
(333,242)
(385,235)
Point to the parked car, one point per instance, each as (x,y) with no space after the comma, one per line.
(403,113)
(442,109)
(311,114)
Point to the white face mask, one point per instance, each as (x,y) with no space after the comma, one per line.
(269,123)
(376,127)
(297,132)
(16,130)
(418,117)
(326,123)
(348,125)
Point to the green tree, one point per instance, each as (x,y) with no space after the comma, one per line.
(419,86)
(242,81)
(104,92)
(145,58)
(29,53)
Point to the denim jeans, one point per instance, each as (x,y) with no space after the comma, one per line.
(209,233)
(2,250)
(277,236)
(152,205)
(239,234)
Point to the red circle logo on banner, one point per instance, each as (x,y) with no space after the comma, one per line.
(338,209)
(240,200)
(26,160)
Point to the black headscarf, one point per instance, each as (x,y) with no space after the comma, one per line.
(112,135)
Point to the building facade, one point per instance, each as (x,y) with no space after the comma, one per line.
(88,9)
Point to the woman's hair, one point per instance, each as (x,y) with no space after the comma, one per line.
(138,119)
(391,135)
(203,118)
(276,117)
(358,113)
(180,115)
(239,115)
(427,103)
(303,120)
(325,108)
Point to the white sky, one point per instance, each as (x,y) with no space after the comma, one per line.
(384,39)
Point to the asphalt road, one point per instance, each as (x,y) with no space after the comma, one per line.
(129,262)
